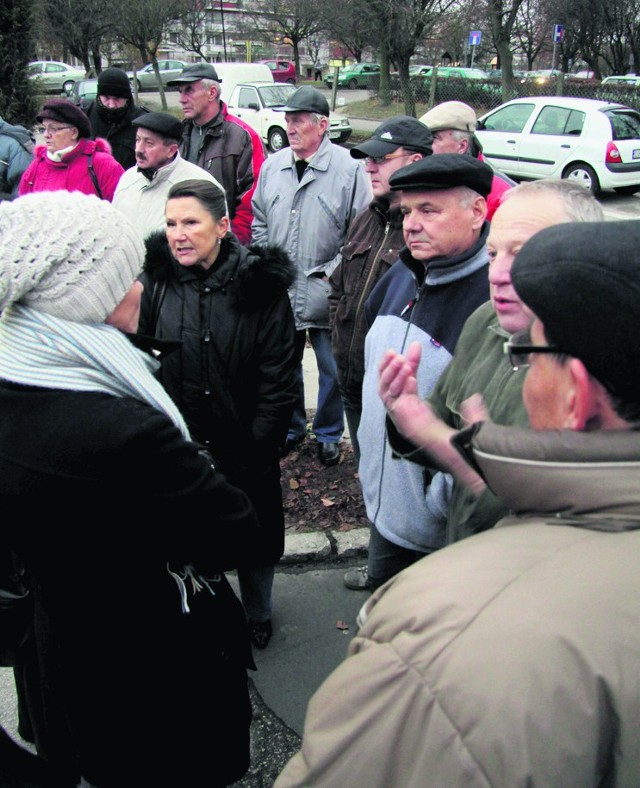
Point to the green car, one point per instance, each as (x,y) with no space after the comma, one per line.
(359,75)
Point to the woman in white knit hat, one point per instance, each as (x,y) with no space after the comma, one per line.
(138,669)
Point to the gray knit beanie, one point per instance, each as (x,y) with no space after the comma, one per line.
(68,254)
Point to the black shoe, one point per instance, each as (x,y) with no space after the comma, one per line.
(329,453)
(289,446)
(260,633)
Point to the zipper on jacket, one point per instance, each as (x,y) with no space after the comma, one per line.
(364,289)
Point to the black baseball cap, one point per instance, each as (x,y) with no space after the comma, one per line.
(403,131)
(160,122)
(307,99)
(444,171)
(193,73)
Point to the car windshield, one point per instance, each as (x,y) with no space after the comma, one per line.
(276,95)
(624,123)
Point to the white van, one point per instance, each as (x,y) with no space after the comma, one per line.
(231,74)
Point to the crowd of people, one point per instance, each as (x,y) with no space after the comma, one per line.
(158,283)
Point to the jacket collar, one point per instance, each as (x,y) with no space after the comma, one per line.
(387,213)
(573,476)
(320,161)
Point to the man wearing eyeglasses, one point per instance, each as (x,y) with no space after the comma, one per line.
(512,657)
(479,365)
(371,248)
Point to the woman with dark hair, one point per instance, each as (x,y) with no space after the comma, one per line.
(140,646)
(69,159)
(233,376)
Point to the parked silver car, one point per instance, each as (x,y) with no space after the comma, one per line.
(146,77)
(53,76)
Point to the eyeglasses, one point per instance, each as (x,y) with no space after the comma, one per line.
(382,159)
(519,348)
(52,129)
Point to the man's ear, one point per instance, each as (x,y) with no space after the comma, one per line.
(479,208)
(582,396)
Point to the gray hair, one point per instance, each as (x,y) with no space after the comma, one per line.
(211,82)
(578,203)
(466,195)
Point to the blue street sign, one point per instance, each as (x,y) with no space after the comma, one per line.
(558,34)
(475,37)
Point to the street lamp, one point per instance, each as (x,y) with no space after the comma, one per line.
(224,35)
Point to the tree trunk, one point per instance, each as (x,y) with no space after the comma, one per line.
(384,90)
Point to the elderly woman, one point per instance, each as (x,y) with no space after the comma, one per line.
(233,377)
(141,648)
(69,159)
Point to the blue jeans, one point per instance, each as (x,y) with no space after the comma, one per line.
(255,592)
(387,559)
(328,423)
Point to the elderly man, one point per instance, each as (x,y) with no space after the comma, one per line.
(306,198)
(511,658)
(440,280)
(453,124)
(143,190)
(480,364)
(112,113)
(218,142)
(372,246)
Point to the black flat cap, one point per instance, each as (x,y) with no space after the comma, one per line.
(160,122)
(64,111)
(402,131)
(193,73)
(307,99)
(582,280)
(445,171)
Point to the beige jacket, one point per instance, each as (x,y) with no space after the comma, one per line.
(508,659)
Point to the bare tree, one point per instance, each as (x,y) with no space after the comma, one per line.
(532,29)
(349,24)
(503,15)
(195,25)
(80,25)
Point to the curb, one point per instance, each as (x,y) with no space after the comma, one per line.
(330,547)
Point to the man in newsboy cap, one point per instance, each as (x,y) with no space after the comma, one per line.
(143,190)
(453,125)
(218,142)
(440,279)
(511,658)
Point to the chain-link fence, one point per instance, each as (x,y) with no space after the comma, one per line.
(485,95)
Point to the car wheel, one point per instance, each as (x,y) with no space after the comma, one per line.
(66,86)
(584,175)
(277,139)
(291,81)
(353,84)
(627,190)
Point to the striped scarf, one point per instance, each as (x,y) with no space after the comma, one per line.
(37,349)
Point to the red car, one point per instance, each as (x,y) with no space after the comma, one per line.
(282,70)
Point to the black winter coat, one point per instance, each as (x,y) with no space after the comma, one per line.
(125,688)
(233,377)
(121,135)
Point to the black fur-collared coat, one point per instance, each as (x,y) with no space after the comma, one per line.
(233,376)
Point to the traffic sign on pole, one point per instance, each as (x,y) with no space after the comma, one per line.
(558,34)
(475,37)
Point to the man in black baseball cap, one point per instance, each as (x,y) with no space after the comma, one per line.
(371,248)
(439,280)
(143,189)
(218,142)
(111,115)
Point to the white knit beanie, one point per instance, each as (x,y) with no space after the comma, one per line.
(68,254)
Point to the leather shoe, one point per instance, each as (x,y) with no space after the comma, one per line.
(260,633)
(289,445)
(329,453)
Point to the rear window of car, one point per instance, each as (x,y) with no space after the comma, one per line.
(625,124)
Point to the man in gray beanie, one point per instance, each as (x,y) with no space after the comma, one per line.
(511,658)
(111,115)
(120,607)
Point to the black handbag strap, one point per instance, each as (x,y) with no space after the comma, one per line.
(94,177)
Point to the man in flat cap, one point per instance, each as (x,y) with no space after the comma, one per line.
(371,248)
(143,189)
(306,198)
(111,115)
(453,126)
(440,279)
(511,658)
(219,142)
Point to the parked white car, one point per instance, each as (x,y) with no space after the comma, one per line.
(260,105)
(595,143)
(53,76)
